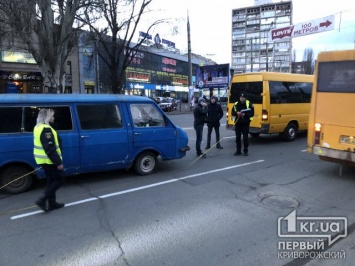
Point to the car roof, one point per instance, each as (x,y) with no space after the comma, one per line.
(65,98)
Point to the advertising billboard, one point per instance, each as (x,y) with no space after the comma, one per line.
(212,76)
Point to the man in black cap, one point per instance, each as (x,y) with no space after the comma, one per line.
(200,118)
(214,114)
(243,111)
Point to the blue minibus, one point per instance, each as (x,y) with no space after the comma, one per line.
(98,132)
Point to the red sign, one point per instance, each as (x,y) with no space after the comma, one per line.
(138,76)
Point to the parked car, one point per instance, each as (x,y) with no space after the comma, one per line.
(158,99)
(168,104)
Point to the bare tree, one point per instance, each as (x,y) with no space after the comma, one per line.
(119,21)
(308,61)
(45,29)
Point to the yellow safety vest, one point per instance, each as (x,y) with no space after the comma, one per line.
(38,151)
(247,104)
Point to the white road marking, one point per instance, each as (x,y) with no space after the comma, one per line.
(304,150)
(140,188)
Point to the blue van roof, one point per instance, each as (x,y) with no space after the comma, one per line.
(65,98)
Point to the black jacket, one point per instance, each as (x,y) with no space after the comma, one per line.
(239,106)
(200,115)
(214,114)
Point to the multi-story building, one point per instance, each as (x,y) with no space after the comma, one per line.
(251,49)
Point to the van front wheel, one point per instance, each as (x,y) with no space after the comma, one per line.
(146,163)
(14,179)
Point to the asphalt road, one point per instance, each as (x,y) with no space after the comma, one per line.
(223,210)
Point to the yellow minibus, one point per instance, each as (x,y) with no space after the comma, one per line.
(331,132)
(281,102)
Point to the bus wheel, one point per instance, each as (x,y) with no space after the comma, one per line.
(290,132)
(254,135)
(10,174)
(146,163)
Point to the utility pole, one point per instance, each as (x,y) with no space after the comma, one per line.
(190,98)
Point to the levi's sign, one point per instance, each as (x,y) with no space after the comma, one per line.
(305,28)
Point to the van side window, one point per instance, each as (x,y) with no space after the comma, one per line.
(23,119)
(62,117)
(146,115)
(11,119)
(252,90)
(99,116)
(290,92)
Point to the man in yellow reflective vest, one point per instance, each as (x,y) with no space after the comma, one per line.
(243,111)
(47,153)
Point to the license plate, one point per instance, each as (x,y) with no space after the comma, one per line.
(347,140)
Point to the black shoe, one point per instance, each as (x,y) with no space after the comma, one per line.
(245,154)
(237,153)
(41,203)
(219,147)
(208,147)
(204,156)
(53,205)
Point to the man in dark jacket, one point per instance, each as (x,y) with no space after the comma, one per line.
(200,117)
(214,114)
(243,111)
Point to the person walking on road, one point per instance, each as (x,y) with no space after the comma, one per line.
(200,117)
(243,111)
(47,153)
(214,114)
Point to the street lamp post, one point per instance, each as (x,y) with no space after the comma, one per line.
(267,47)
(251,55)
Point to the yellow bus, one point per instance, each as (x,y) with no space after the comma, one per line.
(331,132)
(281,102)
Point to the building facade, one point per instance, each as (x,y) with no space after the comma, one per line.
(251,49)
(153,72)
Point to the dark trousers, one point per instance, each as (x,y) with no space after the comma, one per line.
(199,133)
(55,180)
(209,133)
(239,130)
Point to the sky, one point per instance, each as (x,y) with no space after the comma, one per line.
(211,25)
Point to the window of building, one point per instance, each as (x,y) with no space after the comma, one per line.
(68,68)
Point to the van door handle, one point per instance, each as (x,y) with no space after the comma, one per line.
(137,133)
(84,137)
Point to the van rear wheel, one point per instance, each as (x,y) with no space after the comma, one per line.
(146,163)
(290,132)
(10,174)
